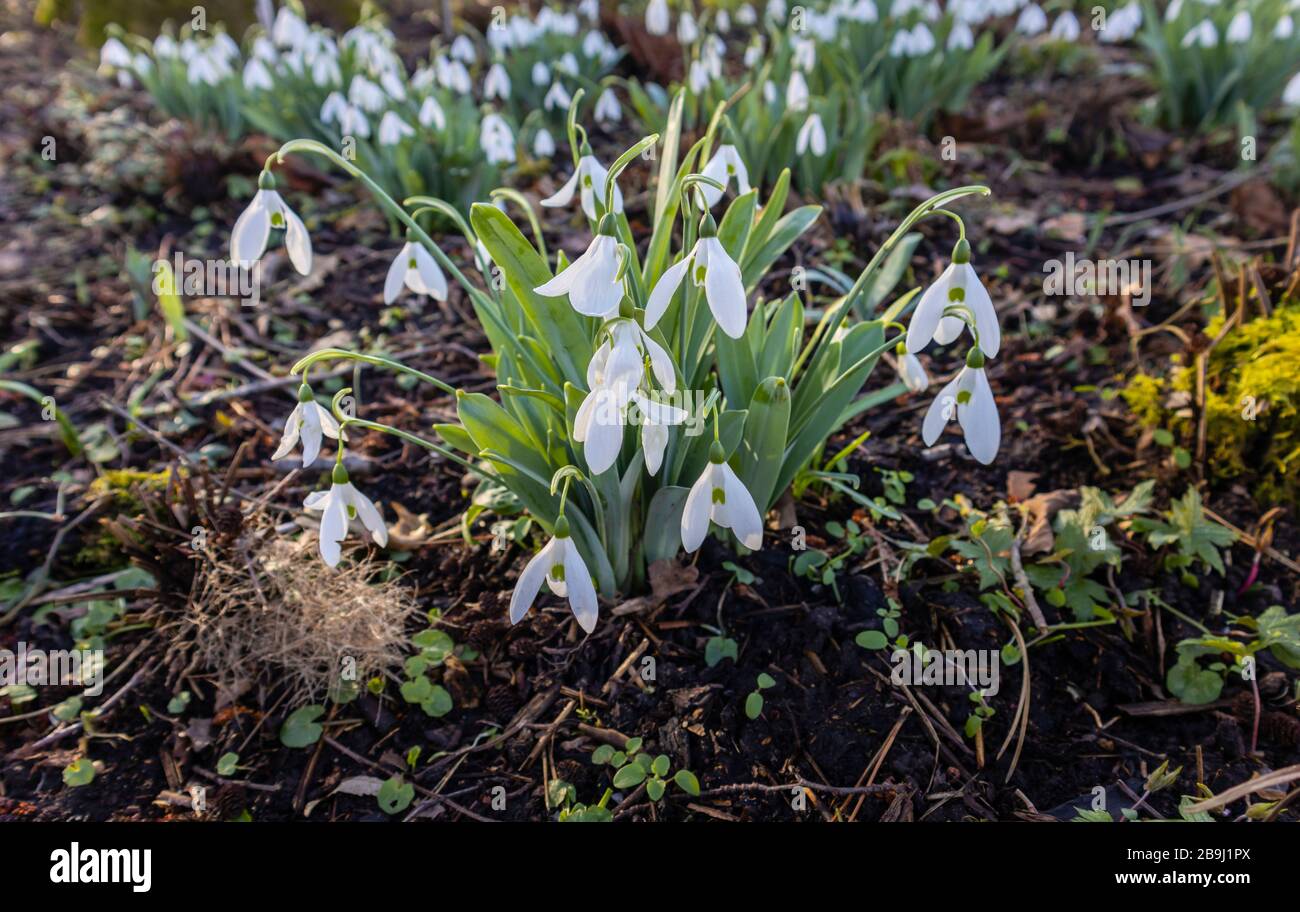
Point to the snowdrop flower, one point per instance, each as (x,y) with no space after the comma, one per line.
(592,280)
(114,55)
(543,144)
(656,17)
(812,137)
(353,122)
(769,92)
(1173,10)
(391,83)
(463,49)
(1122,24)
(1284,29)
(745,15)
(288,30)
(590,9)
(805,54)
(589,180)
(1066,27)
(253,228)
(862,11)
(541,74)
(961,38)
(1203,35)
(699,77)
(264,49)
(1032,20)
(206,69)
(719,496)
(568,64)
(431,114)
(556,97)
(958,286)
(722,20)
(497,83)
(754,53)
(339,506)
(1291,94)
(496,140)
(1239,28)
(607,108)
(565,573)
(309,422)
(713,270)
(922,40)
(392,129)
(687,31)
(224,46)
(366,95)
(325,71)
(257,76)
(910,370)
(969,397)
(164,46)
(725,164)
(776,10)
(416,269)
(796,92)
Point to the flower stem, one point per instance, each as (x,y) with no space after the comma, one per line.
(309,360)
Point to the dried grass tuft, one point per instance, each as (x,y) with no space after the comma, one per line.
(270,612)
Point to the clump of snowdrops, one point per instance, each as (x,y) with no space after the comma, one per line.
(448,129)
(649,394)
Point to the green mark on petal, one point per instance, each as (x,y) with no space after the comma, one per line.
(956,293)
(719,496)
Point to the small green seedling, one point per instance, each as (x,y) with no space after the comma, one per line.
(754,702)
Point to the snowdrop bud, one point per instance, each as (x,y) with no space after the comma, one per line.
(656,17)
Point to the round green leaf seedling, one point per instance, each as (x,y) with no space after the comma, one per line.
(687,782)
(226,763)
(79,772)
(631,775)
(300,728)
(395,795)
(754,705)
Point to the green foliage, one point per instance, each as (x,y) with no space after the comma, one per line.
(1185,524)
(1193,681)
(754,702)
(633,767)
(300,728)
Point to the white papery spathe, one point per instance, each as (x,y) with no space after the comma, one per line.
(968,397)
(252,229)
(719,496)
(309,422)
(339,506)
(717,273)
(565,573)
(589,180)
(725,164)
(416,269)
(812,137)
(957,285)
(591,281)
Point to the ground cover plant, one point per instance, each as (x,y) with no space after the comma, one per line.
(857,411)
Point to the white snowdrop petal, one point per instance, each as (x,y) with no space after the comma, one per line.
(979,419)
(695,513)
(725,290)
(928,313)
(251,232)
(397,274)
(739,513)
(662,294)
(289,436)
(530,581)
(582,594)
(296,241)
(941,411)
(435,282)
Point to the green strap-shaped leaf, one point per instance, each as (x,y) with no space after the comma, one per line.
(762,448)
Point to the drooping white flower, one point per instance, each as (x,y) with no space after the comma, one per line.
(719,496)
(745,15)
(431,114)
(656,17)
(607,108)
(754,53)
(366,95)
(557,97)
(1291,94)
(1284,29)
(1204,34)
(722,20)
(497,82)
(699,77)
(910,370)
(113,56)
(252,229)
(591,281)
(257,76)
(968,397)
(392,129)
(796,92)
(462,49)
(1066,27)
(353,121)
(1032,20)
(958,286)
(496,140)
(804,55)
(415,268)
(391,83)
(589,180)
(687,31)
(325,71)
(712,269)
(543,144)
(1173,10)
(339,506)
(309,422)
(541,74)
(812,137)
(961,38)
(1122,24)
(1239,28)
(565,573)
(725,164)
(289,30)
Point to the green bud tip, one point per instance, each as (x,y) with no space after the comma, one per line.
(717,455)
(900,349)
(266,181)
(584,150)
(975,358)
(305,394)
(708,227)
(562,528)
(608,225)
(961,253)
(340,474)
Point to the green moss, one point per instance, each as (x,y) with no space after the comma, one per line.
(1252,403)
